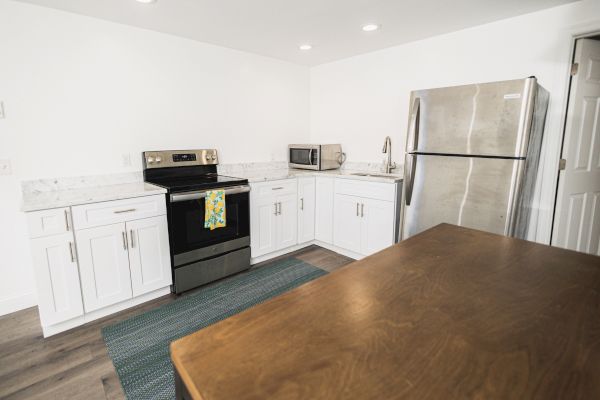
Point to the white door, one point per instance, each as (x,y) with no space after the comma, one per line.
(577,224)
(149,258)
(346,222)
(103,265)
(324,209)
(287,221)
(377,225)
(263,218)
(57,277)
(306,209)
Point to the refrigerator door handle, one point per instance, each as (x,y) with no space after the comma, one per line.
(413,131)
(411,164)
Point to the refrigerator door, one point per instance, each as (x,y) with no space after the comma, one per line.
(473,192)
(490,119)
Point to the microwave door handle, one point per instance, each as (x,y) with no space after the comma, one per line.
(310,156)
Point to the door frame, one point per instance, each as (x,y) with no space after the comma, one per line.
(576,33)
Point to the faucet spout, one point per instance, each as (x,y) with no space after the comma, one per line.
(387,149)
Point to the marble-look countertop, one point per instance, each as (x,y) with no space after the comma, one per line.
(285,173)
(42,200)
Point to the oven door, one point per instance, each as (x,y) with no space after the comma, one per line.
(305,157)
(191,241)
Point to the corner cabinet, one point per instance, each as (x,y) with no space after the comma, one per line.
(95,259)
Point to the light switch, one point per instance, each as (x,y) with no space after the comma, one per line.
(5,168)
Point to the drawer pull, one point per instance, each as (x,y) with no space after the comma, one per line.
(277,188)
(125,211)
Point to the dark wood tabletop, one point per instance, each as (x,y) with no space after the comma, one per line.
(451,313)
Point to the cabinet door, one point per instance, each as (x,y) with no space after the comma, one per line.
(149,258)
(263,220)
(57,278)
(324,209)
(347,222)
(103,265)
(306,209)
(287,221)
(377,230)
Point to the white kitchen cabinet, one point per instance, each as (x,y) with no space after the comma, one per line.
(104,265)
(347,222)
(306,209)
(377,225)
(149,258)
(57,278)
(273,216)
(324,209)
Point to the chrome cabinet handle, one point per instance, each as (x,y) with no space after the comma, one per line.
(275,204)
(131,233)
(279,208)
(277,188)
(302,203)
(124,240)
(124,211)
(72,251)
(67,223)
(357,209)
(362,210)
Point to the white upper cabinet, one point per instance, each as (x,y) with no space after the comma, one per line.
(149,257)
(104,265)
(306,209)
(324,209)
(57,278)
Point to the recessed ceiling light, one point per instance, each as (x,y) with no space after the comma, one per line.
(146,1)
(305,47)
(370,27)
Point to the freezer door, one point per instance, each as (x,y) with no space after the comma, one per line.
(467,191)
(484,119)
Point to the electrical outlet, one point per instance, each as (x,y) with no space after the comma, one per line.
(1,110)
(126,159)
(5,168)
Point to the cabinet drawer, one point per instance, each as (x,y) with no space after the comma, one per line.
(368,190)
(49,222)
(111,212)
(274,188)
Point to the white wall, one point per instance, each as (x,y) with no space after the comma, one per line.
(360,100)
(80,92)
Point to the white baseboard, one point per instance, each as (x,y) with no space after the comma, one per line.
(18,303)
(291,249)
(103,312)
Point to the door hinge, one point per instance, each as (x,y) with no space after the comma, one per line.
(574,69)
(562,164)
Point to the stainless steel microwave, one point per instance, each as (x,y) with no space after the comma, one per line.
(316,156)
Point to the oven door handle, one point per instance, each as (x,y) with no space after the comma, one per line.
(202,194)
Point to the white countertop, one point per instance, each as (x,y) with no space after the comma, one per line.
(285,173)
(43,200)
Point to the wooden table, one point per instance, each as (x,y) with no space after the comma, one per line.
(450,313)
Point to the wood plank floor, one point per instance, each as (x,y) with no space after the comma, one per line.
(75,364)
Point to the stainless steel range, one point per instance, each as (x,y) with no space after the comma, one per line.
(200,255)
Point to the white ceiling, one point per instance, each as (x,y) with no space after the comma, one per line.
(275,28)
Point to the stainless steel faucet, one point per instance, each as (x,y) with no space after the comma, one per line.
(387,149)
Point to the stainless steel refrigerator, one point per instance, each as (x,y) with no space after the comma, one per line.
(472,155)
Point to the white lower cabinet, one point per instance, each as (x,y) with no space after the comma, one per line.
(273,216)
(149,258)
(346,231)
(324,209)
(306,209)
(57,278)
(104,265)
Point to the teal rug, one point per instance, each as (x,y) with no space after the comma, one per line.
(139,346)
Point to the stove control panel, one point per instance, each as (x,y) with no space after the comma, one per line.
(179,158)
